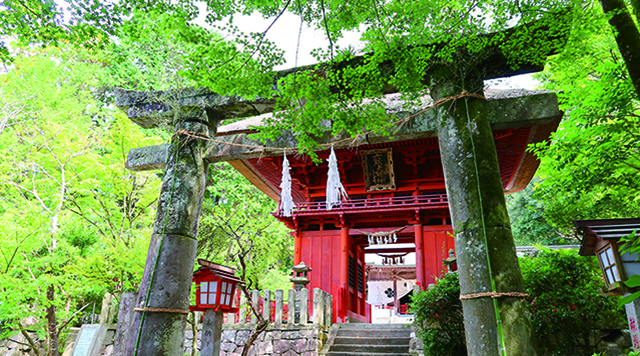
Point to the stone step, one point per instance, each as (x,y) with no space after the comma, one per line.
(389,333)
(372,340)
(374,326)
(332,353)
(370,349)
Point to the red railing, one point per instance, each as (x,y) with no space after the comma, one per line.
(398,201)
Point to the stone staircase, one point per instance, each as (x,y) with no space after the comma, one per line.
(371,339)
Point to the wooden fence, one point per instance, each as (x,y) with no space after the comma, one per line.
(299,309)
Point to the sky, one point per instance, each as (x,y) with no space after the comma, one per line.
(286,32)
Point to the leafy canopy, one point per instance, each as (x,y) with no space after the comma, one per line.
(403,41)
(591,167)
(74,223)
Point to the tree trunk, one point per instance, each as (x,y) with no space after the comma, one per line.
(52,323)
(627,37)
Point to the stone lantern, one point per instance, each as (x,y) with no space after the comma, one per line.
(451,262)
(300,279)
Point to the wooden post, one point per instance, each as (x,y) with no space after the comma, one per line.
(211,333)
(279,307)
(344,271)
(318,306)
(418,236)
(396,307)
(297,250)
(487,260)
(266,305)
(255,300)
(242,314)
(304,306)
(291,315)
(163,301)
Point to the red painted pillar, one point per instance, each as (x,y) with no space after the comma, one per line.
(396,304)
(297,250)
(344,270)
(419,255)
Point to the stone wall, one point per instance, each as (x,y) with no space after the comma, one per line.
(18,345)
(299,340)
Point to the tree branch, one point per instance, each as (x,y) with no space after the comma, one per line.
(29,339)
(326,27)
(64,325)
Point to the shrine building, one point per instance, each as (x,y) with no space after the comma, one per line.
(395,185)
(396,195)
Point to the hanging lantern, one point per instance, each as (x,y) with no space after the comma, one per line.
(286,201)
(335,190)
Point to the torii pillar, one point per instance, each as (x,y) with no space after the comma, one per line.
(496,317)
(161,311)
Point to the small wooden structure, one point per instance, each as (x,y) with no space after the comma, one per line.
(215,295)
(601,238)
(215,287)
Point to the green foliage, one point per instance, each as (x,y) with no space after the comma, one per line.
(528,222)
(237,229)
(591,167)
(87,23)
(565,303)
(438,314)
(74,223)
(411,45)
(563,297)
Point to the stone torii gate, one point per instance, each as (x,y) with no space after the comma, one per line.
(496,317)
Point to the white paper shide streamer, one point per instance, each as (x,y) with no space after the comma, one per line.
(286,201)
(335,190)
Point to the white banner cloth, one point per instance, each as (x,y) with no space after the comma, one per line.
(381,292)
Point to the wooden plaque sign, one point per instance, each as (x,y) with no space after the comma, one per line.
(378,170)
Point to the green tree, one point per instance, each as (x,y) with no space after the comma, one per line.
(591,167)
(237,228)
(528,222)
(438,314)
(72,216)
(155,51)
(565,304)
